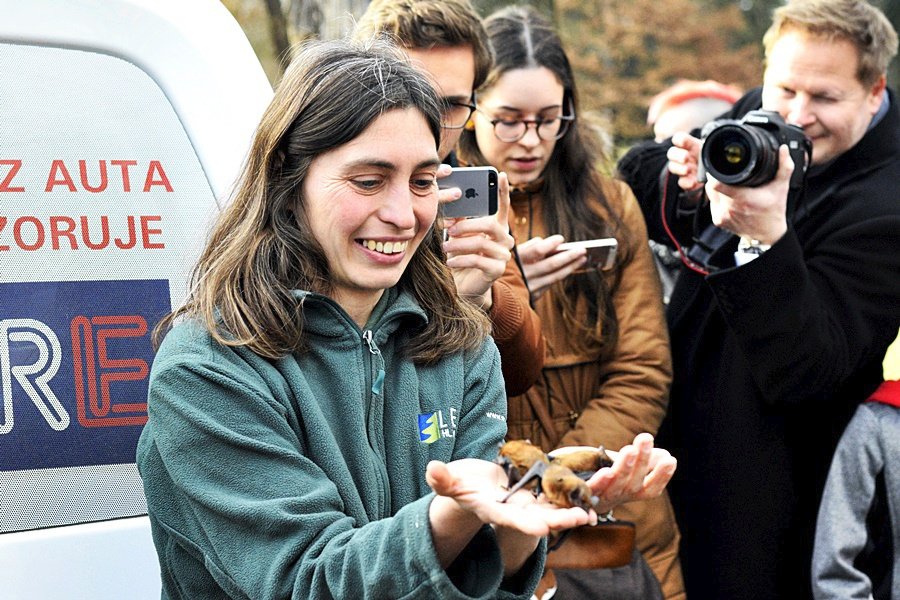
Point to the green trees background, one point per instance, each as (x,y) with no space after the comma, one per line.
(623,51)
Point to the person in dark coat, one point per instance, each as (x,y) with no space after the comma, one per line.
(779,325)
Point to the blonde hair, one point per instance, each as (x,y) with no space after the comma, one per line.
(262,247)
(855,21)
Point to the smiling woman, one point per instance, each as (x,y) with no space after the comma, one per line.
(324,176)
(328,392)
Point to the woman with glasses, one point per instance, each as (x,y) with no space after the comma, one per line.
(607,367)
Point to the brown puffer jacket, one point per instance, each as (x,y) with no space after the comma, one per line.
(586,400)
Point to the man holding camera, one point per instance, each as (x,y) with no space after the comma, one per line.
(788,297)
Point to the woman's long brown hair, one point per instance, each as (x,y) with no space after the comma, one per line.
(523,38)
(262,248)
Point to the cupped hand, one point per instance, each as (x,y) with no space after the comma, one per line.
(639,472)
(543,266)
(478,486)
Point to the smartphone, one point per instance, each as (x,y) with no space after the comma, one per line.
(601,253)
(479,192)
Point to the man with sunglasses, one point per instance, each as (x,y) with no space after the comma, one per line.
(447,40)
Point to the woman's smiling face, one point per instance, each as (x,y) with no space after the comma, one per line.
(370,203)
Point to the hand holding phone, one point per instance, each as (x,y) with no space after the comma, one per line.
(544,261)
(479,249)
(601,252)
(543,265)
(479,192)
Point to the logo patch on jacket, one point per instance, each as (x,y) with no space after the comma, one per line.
(434,426)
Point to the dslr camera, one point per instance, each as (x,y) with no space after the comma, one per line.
(744,152)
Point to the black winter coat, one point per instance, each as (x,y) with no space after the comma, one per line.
(770,360)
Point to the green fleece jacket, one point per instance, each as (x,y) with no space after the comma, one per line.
(304,477)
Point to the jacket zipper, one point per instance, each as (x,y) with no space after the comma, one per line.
(376,388)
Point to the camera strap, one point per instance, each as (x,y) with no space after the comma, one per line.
(709,245)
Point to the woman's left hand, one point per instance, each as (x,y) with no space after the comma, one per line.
(639,472)
(543,265)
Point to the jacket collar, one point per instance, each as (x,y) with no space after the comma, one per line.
(880,143)
(325,317)
(887,393)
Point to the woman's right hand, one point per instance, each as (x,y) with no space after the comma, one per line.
(478,486)
(543,266)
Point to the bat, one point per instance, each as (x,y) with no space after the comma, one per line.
(559,485)
(586,462)
(517,457)
(561,479)
(565,489)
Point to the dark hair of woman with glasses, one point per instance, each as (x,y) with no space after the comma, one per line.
(607,366)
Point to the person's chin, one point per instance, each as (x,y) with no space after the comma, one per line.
(386,276)
(518,178)
(384,282)
(822,154)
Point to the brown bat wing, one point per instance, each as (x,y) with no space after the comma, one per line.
(517,457)
(535,472)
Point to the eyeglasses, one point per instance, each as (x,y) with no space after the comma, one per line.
(513,130)
(454,114)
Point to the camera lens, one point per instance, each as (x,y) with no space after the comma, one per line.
(739,155)
(731,154)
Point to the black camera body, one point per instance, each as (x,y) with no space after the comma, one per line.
(744,152)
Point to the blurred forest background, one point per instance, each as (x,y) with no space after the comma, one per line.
(623,51)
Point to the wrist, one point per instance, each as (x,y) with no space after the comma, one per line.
(515,547)
(748,250)
(487,300)
(771,235)
(452,528)
(752,246)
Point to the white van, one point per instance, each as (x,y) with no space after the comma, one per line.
(123,124)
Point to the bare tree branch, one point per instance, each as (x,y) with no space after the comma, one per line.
(278,29)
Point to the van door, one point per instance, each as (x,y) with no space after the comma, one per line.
(124,124)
